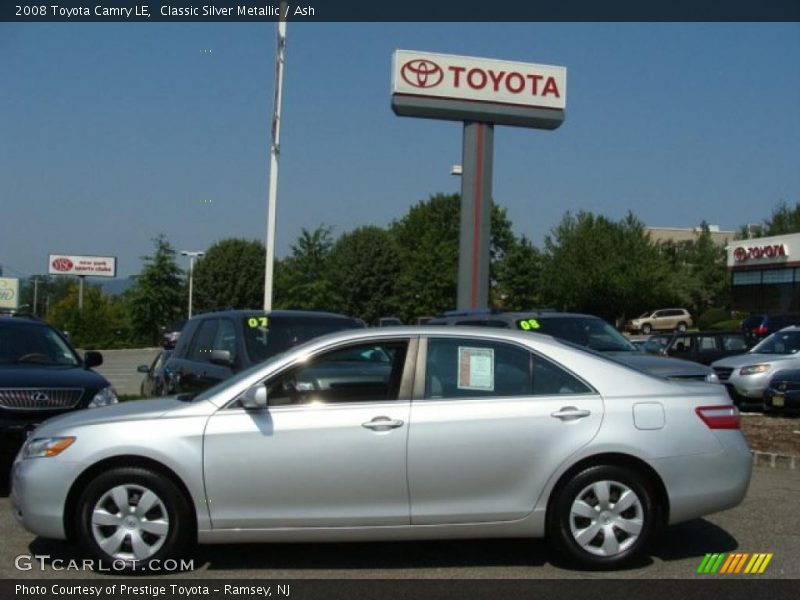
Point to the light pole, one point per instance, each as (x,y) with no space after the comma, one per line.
(192,256)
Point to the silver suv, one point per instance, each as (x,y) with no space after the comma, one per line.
(662,319)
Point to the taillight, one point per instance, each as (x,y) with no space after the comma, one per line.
(719,417)
(760,330)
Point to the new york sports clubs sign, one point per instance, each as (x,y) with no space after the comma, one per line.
(94,266)
(481,86)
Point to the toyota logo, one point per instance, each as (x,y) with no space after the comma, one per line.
(40,397)
(62,264)
(740,254)
(422,73)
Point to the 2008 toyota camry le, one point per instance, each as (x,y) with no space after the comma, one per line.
(393,435)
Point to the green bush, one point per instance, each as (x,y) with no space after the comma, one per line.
(728,325)
(712,316)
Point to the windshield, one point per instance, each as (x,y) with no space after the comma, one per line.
(781,342)
(266,336)
(34,344)
(644,315)
(590,332)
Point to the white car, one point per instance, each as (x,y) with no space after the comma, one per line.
(746,375)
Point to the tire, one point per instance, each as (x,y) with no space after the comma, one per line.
(647,328)
(682,327)
(110,529)
(602,539)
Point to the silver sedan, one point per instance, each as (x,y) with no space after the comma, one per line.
(393,434)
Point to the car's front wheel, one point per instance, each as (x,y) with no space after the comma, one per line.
(130,516)
(603,517)
(647,328)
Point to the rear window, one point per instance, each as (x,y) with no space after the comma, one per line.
(265,336)
(590,332)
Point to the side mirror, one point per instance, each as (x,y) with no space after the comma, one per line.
(143,369)
(254,398)
(221,357)
(92,359)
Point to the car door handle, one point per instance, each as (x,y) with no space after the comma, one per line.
(382,424)
(567,413)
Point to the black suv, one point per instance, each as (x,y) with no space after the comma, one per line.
(700,346)
(41,376)
(215,345)
(582,330)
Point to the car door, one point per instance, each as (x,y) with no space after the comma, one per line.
(328,451)
(490,423)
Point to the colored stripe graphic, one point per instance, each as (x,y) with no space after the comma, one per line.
(734,563)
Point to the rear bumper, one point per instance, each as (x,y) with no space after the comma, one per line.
(711,482)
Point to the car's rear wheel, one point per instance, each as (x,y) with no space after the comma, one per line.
(603,517)
(647,328)
(131,516)
(682,327)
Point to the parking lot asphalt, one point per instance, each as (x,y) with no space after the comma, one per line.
(767,521)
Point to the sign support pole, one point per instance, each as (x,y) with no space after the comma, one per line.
(275,149)
(476,215)
(80,291)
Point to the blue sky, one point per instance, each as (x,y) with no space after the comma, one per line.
(113,133)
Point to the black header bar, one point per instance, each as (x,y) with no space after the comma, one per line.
(145,11)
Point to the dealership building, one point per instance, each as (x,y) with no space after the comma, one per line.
(765,274)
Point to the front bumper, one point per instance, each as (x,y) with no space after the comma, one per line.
(39,488)
(781,402)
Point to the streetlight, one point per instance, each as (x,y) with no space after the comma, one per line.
(192,256)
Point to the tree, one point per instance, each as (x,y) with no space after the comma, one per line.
(699,270)
(364,265)
(784,219)
(304,277)
(158,295)
(610,269)
(231,274)
(427,245)
(518,276)
(103,322)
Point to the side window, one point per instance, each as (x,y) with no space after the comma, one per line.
(358,373)
(203,341)
(707,343)
(225,337)
(733,342)
(682,344)
(465,368)
(659,314)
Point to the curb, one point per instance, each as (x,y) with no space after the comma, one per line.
(775,461)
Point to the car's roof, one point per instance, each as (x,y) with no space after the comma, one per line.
(513,315)
(271,313)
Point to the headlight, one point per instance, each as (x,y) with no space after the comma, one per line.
(104,397)
(45,447)
(753,369)
(712,378)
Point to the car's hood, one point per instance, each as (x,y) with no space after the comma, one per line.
(663,366)
(755,358)
(133,410)
(35,376)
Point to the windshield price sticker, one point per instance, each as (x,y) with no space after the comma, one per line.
(475,369)
(528,324)
(254,322)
